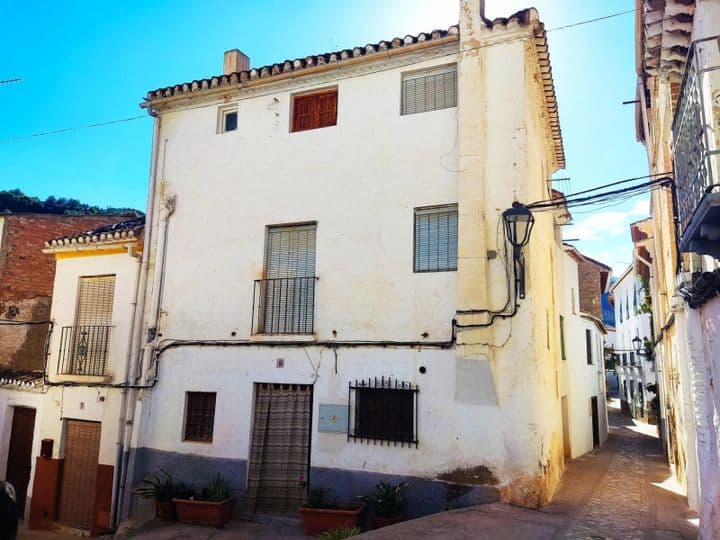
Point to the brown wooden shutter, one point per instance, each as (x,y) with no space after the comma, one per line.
(315,111)
(95,300)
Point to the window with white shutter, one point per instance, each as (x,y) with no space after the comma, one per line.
(429,90)
(288,293)
(436,238)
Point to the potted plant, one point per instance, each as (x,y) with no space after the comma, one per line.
(212,507)
(320,514)
(161,488)
(388,500)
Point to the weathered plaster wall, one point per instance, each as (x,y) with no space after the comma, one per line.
(485,403)
(26,281)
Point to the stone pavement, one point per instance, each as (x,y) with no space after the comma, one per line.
(622,490)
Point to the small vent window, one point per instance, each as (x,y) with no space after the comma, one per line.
(227,119)
(429,90)
(436,238)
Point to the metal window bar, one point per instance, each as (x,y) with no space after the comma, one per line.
(384,411)
(694,148)
(284,305)
(84,350)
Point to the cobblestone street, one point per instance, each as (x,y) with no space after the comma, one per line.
(620,491)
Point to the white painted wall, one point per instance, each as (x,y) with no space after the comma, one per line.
(86,403)
(582,380)
(9,399)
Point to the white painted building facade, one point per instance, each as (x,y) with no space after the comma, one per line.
(633,320)
(583,401)
(332,233)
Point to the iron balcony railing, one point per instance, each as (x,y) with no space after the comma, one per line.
(284,305)
(84,350)
(695,131)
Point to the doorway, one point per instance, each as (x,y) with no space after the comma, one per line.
(79,476)
(567,450)
(595,420)
(280,449)
(19,463)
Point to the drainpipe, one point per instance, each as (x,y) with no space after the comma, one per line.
(166,210)
(127,407)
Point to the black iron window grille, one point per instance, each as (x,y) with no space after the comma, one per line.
(694,150)
(200,416)
(383,410)
(284,305)
(84,350)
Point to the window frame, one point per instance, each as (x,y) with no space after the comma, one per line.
(431,71)
(589,346)
(186,437)
(439,208)
(222,113)
(383,434)
(310,94)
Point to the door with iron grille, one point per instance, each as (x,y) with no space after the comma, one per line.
(79,475)
(288,298)
(19,462)
(93,321)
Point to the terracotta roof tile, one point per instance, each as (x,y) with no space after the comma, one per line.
(130,229)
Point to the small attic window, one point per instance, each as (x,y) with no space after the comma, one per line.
(227,119)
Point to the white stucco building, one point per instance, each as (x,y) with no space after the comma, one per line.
(633,320)
(327,265)
(583,400)
(81,417)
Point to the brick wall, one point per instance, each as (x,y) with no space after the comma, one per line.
(26,281)
(589,278)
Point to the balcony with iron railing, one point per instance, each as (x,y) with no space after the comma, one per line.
(696,149)
(284,305)
(84,350)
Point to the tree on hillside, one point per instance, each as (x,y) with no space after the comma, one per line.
(15,201)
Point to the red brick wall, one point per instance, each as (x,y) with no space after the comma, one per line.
(26,281)
(590,291)
(25,271)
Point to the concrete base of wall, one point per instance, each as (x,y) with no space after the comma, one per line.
(424,496)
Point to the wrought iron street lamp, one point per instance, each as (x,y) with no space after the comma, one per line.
(519,222)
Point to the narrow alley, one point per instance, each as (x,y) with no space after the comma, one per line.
(622,490)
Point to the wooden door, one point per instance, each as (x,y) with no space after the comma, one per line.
(19,462)
(79,476)
(595,420)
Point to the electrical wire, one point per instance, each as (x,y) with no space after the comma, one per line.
(469,49)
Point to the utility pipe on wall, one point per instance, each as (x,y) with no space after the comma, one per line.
(127,407)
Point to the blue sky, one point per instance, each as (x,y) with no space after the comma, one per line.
(85,62)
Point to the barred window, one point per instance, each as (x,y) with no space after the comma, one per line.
(383,410)
(436,238)
(199,416)
(429,90)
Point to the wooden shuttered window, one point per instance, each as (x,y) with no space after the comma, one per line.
(200,416)
(436,238)
(315,110)
(429,90)
(95,300)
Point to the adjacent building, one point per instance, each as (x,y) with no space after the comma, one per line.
(678,120)
(635,368)
(26,289)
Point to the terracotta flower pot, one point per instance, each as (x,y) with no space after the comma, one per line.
(320,520)
(166,510)
(214,514)
(381,522)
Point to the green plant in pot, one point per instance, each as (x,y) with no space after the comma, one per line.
(321,514)
(388,500)
(212,507)
(160,487)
